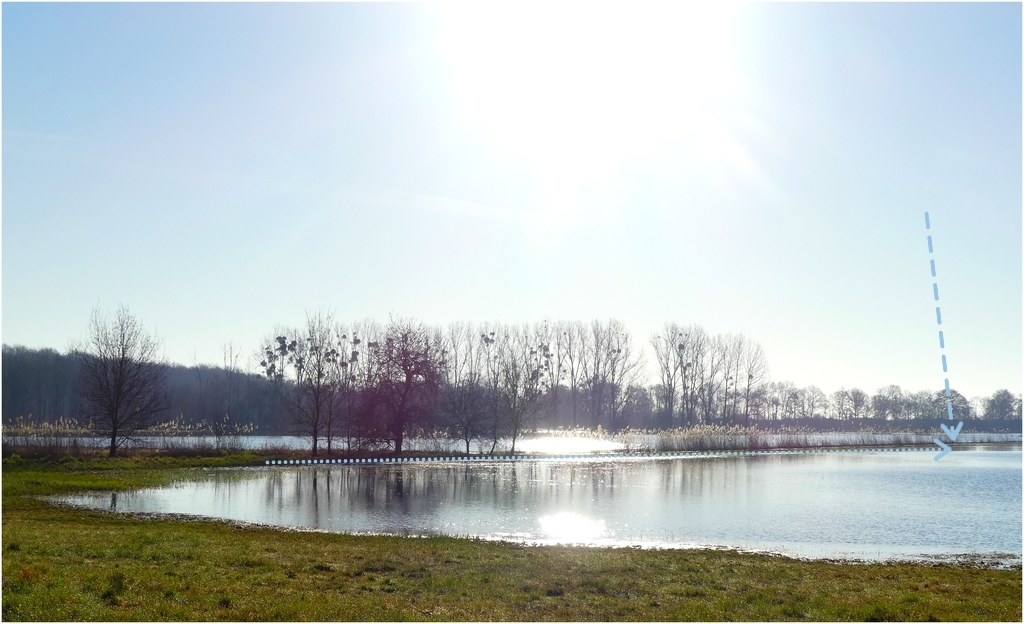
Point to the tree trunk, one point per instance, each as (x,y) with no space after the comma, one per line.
(398,443)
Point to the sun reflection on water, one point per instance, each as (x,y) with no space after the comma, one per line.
(571,527)
(555,444)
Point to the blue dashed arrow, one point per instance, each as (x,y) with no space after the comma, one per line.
(952,433)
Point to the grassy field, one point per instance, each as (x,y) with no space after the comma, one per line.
(69,564)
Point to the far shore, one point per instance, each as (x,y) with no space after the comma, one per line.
(28,443)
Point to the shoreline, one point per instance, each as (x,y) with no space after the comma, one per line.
(964,560)
(967,559)
(41,451)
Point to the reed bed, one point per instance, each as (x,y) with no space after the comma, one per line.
(174,437)
(711,438)
(65,436)
(194,446)
(730,438)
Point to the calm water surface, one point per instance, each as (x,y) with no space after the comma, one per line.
(884,505)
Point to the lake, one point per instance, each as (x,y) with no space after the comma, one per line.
(860,506)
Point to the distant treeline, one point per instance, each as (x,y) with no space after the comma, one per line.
(349,382)
(42,385)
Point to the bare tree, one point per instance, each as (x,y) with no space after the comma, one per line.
(1001,405)
(625,370)
(841,404)
(270,361)
(551,341)
(572,347)
(638,408)
(312,356)
(232,391)
(357,368)
(667,351)
(755,368)
(919,404)
(692,345)
(712,378)
(491,376)
(124,376)
(733,347)
(595,369)
(522,381)
(274,355)
(961,406)
(312,398)
(858,403)
(888,403)
(812,402)
(462,399)
(408,380)
(783,400)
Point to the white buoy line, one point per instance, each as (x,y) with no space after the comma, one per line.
(586,456)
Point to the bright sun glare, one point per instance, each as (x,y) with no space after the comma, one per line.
(557,444)
(583,92)
(571,527)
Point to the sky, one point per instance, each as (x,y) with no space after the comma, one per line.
(762,169)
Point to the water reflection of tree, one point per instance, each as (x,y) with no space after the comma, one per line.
(417,497)
(316,500)
(390,489)
(274,490)
(704,478)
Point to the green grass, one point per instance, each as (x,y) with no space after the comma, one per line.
(70,564)
(64,474)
